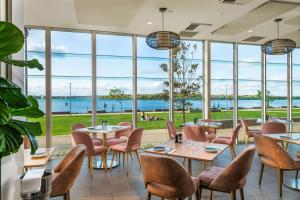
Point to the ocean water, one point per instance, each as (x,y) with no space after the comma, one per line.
(84,105)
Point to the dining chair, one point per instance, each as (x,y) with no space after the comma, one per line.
(273,128)
(96,141)
(26,142)
(66,172)
(91,149)
(211,132)
(121,135)
(193,132)
(231,141)
(273,155)
(228,179)
(166,178)
(248,133)
(132,145)
(171,129)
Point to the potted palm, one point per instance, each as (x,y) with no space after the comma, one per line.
(15,107)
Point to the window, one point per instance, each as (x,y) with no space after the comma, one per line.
(114,78)
(296,88)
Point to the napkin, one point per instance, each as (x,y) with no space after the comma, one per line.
(32,180)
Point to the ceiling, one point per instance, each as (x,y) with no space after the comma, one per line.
(226,22)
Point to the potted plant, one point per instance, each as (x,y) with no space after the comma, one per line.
(15,107)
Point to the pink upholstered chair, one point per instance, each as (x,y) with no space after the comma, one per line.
(96,141)
(171,129)
(228,179)
(132,145)
(248,133)
(117,139)
(273,155)
(195,133)
(211,132)
(166,178)
(230,140)
(66,172)
(273,128)
(91,149)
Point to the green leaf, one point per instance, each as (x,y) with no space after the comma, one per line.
(12,94)
(10,140)
(11,39)
(33,127)
(32,111)
(23,63)
(5,114)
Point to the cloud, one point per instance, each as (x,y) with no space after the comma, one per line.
(33,46)
(251,59)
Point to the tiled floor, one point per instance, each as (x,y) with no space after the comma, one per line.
(115,185)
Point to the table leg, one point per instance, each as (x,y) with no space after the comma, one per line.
(293,183)
(190,171)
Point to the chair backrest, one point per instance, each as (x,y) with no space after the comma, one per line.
(67,171)
(167,171)
(235,172)
(134,139)
(273,127)
(85,139)
(73,128)
(171,129)
(245,126)
(195,133)
(124,132)
(272,151)
(26,142)
(235,133)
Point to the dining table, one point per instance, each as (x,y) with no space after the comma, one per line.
(104,131)
(205,124)
(31,161)
(289,138)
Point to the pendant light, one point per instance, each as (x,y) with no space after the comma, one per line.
(163,39)
(278,46)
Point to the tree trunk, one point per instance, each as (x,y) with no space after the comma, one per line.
(183,111)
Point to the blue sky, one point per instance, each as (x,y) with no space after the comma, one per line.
(71,62)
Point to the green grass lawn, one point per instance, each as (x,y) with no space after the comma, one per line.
(61,124)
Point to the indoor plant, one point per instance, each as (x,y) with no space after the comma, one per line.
(15,106)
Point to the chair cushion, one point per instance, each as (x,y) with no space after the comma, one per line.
(121,147)
(196,180)
(97,142)
(222,140)
(207,176)
(115,141)
(162,190)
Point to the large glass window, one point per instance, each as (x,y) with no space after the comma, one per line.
(276,91)
(296,89)
(221,81)
(114,78)
(152,86)
(71,83)
(35,78)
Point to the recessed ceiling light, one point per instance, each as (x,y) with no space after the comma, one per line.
(149,23)
(250,31)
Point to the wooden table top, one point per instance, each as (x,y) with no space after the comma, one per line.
(37,162)
(195,152)
(293,138)
(203,124)
(105,130)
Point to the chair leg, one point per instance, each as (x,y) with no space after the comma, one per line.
(130,155)
(247,139)
(112,160)
(233,155)
(90,164)
(126,163)
(296,177)
(197,194)
(104,160)
(210,195)
(67,196)
(137,155)
(119,155)
(200,192)
(123,158)
(280,180)
(149,196)
(242,194)
(233,195)
(262,166)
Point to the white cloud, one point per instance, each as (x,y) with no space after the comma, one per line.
(33,46)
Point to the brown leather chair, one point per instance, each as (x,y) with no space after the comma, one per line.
(117,139)
(230,140)
(66,172)
(273,155)
(248,133)
(273,128)
(195,133)
(166,178)
(26,142)
(96,141)
(171,129)
(228,179)
(132,145)
(91,149)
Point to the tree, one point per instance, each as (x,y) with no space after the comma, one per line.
(186,80)
(117,94)
(269,97)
